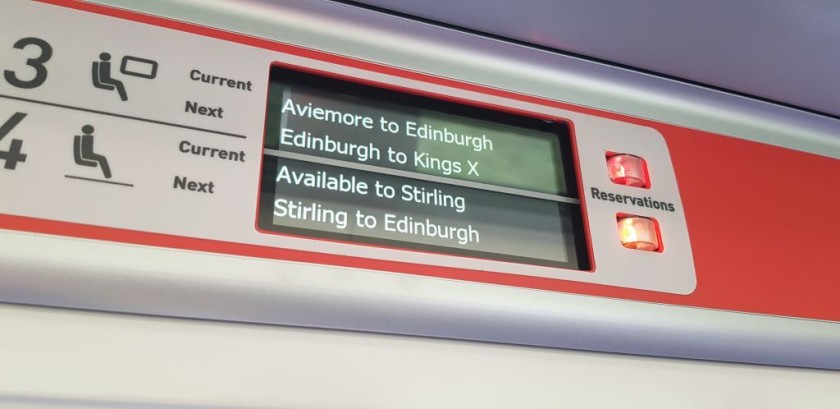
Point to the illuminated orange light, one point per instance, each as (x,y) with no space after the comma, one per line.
(627,170)
(638,233)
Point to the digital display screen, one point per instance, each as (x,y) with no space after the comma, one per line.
(359,163)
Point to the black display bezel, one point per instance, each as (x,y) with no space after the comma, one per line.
(559,128)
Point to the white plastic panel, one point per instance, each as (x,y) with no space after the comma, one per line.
(71,359)
(672,270)
(95,275)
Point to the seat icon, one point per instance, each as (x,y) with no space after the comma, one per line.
(83,152)
(130,65)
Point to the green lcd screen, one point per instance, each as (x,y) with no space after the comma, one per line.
(362,163)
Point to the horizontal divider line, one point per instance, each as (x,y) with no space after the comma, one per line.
(99,180)
(136,118)
(419,176)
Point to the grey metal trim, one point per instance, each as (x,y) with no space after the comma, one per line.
(87,274)
(362,34)
(419,176)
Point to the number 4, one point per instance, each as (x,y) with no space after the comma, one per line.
(13,155)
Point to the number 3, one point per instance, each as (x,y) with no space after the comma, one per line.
(37,63)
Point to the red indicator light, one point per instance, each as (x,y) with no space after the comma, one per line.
(628,170)
(640,233)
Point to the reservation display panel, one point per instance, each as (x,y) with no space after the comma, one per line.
(358,163)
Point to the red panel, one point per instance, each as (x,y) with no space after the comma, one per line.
(762,220)
(763,224)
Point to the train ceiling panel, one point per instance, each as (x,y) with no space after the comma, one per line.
(778,50)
